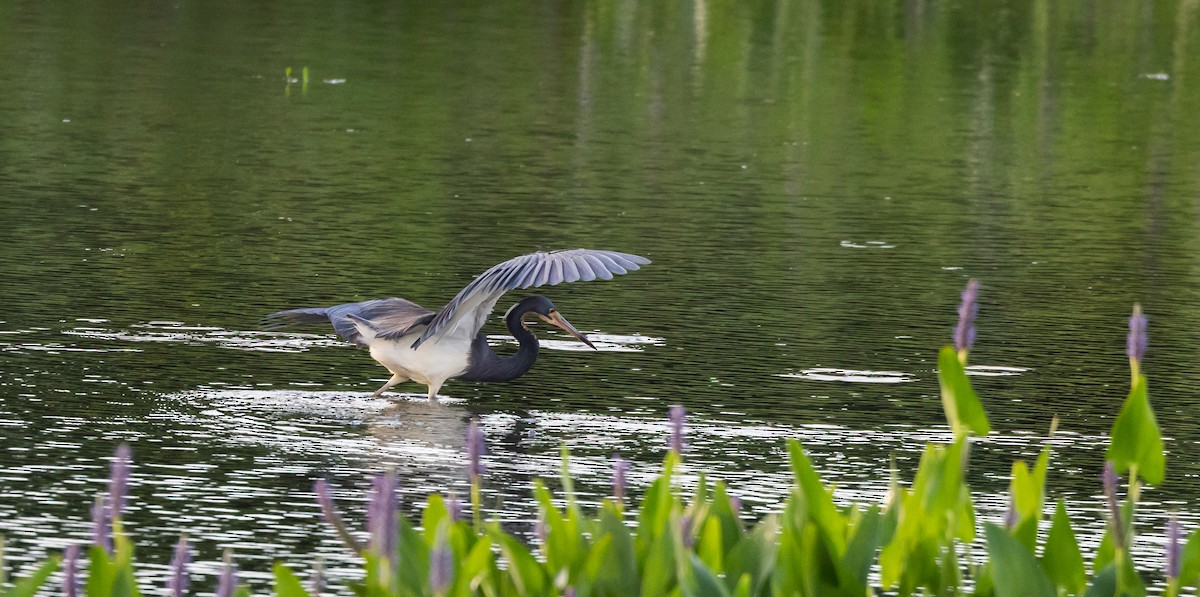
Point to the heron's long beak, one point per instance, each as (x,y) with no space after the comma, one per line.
(557,320)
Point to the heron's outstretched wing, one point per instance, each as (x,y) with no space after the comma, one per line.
(468,310)
(391,316)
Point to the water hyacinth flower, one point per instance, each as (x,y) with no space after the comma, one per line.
(382,511)
(685,530)
(1174,547)
(228,581)
(620,470)
(317,582)
(118,480)
(70,566)
(101,533)
(330,512)
(177,583)
(1135,343)
(454,507)
(441,566)
(1010,516)
(968,309)
(475,447)
(677,416)
(1110,480)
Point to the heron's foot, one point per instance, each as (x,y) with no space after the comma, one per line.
(396,378)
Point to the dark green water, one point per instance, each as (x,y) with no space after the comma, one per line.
(815,182)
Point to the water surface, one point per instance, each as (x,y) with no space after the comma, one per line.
(814,181)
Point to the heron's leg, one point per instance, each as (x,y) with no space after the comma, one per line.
(433,390)
(396,378)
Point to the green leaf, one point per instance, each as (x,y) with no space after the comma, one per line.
(28,586)
(1062,558)
(1104,584)
(860,551)
(413,555)
(658,570)
(655,512)
(1136,439)
(821,508)
(620,571)
(963,409)
(435,512)
(101,572)
(742,589)
(722,510)
(525,571)
(709,546)
(1015,572)
(286,583)
(706,583)
(754,555)
(475,568)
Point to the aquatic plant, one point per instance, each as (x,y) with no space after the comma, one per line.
(700,545)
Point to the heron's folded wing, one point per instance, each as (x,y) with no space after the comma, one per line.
(468,310)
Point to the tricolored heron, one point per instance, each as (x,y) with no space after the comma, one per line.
(431,347)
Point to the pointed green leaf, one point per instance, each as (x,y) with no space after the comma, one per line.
(286,583)
(1015,572)
(1061,558)
(413,556)
(963,409)
(754,555)
(658,571)
(28,586)
(705,582)
(1104,584)
(1136,439)
(435,512)
(860,551)
(821,508)
(524,570)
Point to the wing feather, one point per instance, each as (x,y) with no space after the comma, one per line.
(468,310)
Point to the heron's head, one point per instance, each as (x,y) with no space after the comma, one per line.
(545,310)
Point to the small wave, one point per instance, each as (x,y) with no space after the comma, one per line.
(850,375)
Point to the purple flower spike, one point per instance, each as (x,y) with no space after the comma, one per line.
(70,566)
(685,528)
(118,480)
(964,334)
(1174,547)
(475,449)
(177,584)
(1111,480)
(1135,344)
(455,507)
(317,582)
(382,513)
(540,530)
(620,470)
(441,567)
(1010,516)
(677,416)
(101,536)
(228,581)
(735,504)
(329,510)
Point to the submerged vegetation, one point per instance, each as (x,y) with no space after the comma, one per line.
(913,543)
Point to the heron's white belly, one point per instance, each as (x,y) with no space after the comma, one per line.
(433,362)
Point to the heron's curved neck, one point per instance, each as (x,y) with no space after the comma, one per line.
(486,365)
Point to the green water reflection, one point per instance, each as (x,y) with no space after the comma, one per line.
(814,181)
